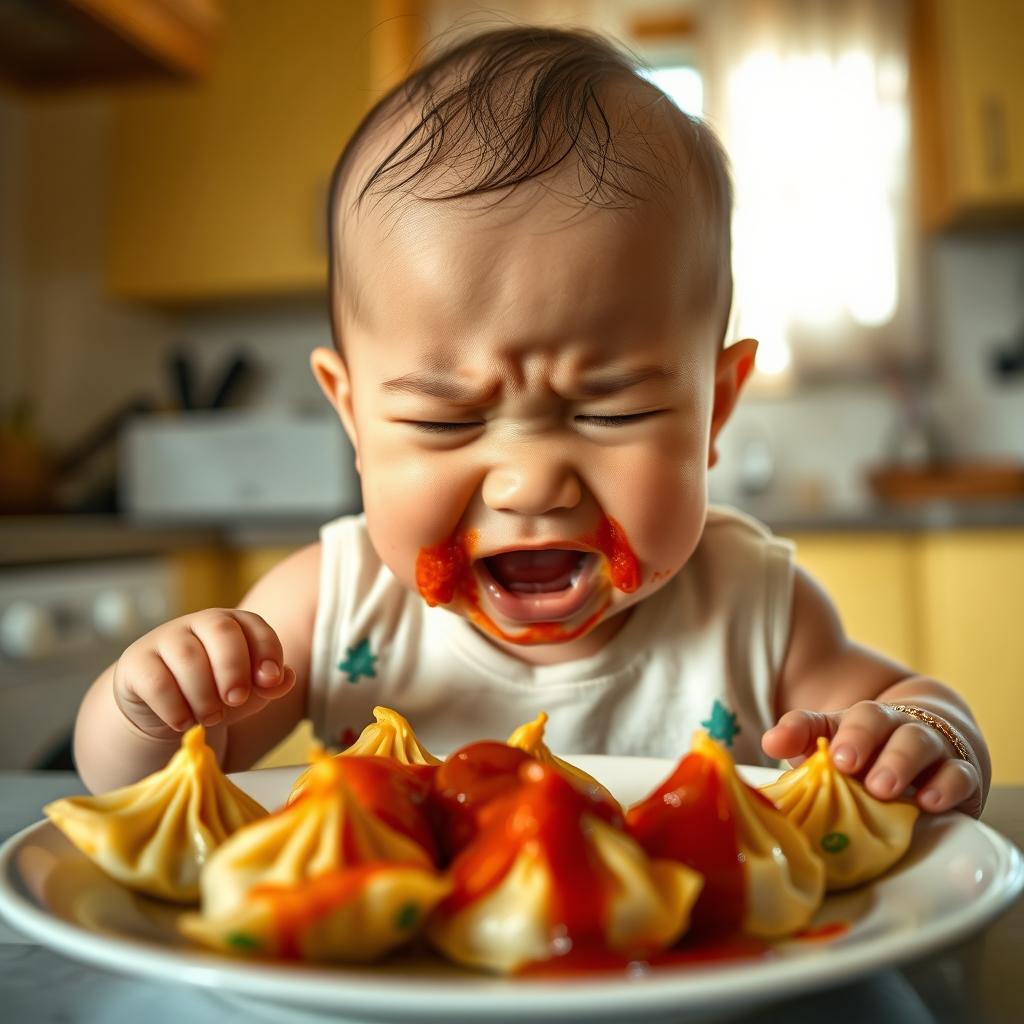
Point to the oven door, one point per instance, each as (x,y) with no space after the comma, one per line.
(60,627)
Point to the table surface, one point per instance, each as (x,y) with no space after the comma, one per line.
(978,981)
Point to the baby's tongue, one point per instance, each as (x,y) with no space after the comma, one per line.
(534,572)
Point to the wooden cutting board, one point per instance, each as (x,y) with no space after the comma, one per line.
(965,481)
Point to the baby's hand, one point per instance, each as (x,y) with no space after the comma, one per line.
(893,749)
(219,665)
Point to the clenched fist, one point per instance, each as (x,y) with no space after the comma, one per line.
(213,666)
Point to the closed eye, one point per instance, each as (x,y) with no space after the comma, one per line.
(436,427)
(617,421)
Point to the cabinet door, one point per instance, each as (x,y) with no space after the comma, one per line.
(219,188)
(972,628)
(969,110)
(987,78)
(870,578)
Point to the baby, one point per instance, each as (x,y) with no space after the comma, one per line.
(530,286)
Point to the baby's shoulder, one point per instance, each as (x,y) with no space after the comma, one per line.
(737,546)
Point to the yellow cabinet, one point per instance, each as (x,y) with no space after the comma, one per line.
(871,580)
(219,189)
(968,92)
(945,604)
(972,601)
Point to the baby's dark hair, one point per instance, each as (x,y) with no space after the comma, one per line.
(509,105)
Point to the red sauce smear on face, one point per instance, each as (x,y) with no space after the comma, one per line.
(823,933)
(689,818)
(444,572)
(546,812)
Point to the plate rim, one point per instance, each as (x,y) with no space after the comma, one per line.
(720,986)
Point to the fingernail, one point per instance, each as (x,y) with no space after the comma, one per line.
(185,725)
(930,797)
(882,782)
(844,756)
(237,695)
(214,718)
(269,673)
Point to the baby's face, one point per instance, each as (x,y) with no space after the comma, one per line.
(529,391)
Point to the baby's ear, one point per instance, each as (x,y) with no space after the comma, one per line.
(331,374)
(731,371)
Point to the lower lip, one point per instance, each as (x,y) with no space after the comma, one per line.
(556,606)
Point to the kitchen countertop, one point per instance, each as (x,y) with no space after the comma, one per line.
(27,540)
(977,982)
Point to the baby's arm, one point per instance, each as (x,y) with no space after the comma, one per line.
(208,667)
(832,687)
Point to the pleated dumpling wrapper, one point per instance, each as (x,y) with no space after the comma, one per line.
(348,915)
(530,738)
(390,735)
(548,876)
(858,836)
(327,829)
(760,873)
(155,835)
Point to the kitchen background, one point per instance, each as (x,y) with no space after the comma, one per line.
(163,170)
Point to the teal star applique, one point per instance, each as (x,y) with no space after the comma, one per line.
(359,662)
(722,724)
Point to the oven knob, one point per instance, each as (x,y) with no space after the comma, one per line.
(115,615)
(27,632)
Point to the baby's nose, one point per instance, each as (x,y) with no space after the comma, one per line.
(532,487)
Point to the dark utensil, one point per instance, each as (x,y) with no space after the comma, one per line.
(238,371)
(183,380)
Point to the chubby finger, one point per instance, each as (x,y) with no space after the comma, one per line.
(260,697)
(796,733)
(266,656)
(146,692)
(862,732)
(188,660)
(227,649)
(910,750)
(953,784)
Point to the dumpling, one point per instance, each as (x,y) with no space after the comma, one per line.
(326,829)
(350,915)
(389,736)
(857,835)
(530,738)
(760,872)
(155,835)
(548,876)
(465,783)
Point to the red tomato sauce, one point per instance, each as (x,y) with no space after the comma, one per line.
(545,811)
(444,572)
(689,818)
(295,908)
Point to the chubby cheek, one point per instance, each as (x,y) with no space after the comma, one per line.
(661,505)
(411,503)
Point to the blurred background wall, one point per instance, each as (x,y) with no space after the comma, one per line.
(162,241)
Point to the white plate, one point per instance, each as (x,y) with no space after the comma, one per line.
(958,875)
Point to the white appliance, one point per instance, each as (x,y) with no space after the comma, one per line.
(230,465)
(60,626)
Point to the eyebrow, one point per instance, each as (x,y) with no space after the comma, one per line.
(450,389)
(436,386)
(598,387)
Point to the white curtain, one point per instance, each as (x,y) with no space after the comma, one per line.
(810,98)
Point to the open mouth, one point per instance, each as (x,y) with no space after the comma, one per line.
(536,572)
(532,585)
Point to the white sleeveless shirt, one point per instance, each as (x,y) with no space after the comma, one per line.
(703,651)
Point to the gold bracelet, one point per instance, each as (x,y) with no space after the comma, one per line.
(939,724)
